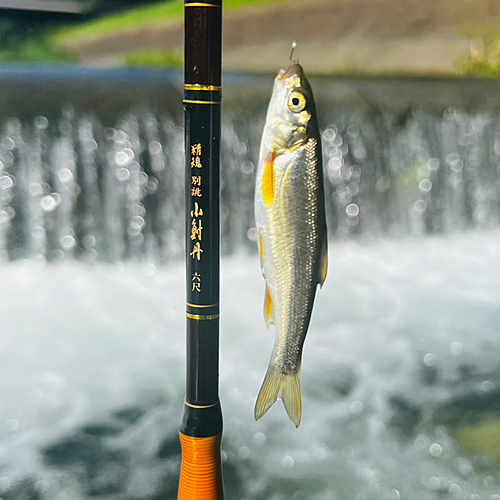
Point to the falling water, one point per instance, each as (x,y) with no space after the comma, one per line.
(71,187)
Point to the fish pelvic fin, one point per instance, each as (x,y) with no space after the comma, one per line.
(323,266)
(281,384)
(260,245)
(268,308)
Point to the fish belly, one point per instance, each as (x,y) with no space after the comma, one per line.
(295,245)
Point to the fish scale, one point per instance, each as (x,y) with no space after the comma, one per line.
(290,219)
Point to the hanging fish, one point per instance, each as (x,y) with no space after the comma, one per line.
(291,230)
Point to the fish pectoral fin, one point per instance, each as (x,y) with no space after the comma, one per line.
(280,384)
(323,263)
(268,308)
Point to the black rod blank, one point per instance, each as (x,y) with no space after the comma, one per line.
(201,424)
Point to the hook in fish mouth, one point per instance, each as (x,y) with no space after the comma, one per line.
(293,68)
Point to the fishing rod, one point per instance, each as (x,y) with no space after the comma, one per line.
(201,424)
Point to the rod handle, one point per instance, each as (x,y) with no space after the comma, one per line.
(201,470)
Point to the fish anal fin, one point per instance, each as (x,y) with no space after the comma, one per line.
(323,264)
(268,308)
(268,178)
(280,384)
(260,244)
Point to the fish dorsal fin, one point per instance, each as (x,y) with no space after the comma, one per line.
(268,178)
(323,263)
(268,308)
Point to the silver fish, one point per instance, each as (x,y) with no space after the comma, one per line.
(291,228)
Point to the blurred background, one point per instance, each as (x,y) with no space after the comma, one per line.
(342,36)
(401,368)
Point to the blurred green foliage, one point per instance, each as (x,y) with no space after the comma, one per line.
(35,36)
(481,438)
(26,36)
(23,36)
(35,50)
(143,15)
(156,57)
(99,7)
(484,51)
(115,21)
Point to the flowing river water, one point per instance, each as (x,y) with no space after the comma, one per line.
(400,380)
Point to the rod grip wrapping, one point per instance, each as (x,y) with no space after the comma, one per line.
(201,470)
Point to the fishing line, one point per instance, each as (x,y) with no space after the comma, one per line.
(294,31)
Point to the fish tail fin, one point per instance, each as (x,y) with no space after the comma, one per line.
(292,398)
(281,384)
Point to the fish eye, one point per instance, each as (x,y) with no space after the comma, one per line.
(296,102)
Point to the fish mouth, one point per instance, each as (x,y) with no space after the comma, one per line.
(295,69)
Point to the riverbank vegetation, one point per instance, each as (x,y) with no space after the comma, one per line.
(484,51)
(113,31)
(138,17)
(156,57)
(34,36)
(25,37)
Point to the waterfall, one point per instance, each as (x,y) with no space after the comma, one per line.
(73,188)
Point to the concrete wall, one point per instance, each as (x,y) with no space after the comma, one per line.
(69,6)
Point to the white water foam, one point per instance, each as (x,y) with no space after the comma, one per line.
(394,329)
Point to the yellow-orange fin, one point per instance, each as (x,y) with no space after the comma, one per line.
(268,179)
(260,244)
(280,384)
(268,308)
(323,264)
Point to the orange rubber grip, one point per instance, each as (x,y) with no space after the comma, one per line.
(201,470)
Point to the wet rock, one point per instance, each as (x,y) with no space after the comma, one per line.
(471,407)
(346,383)
(100,470)
(107,476)
(406,415)
(23,490)
(473,420)
(170,447)
(466,372)
(169,487)
(129,415)
(334,382)
(234,486)
(429,375)
(290,488)
(101,430)
(73,449)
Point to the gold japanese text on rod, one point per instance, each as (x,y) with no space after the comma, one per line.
(202,317)
(199,86)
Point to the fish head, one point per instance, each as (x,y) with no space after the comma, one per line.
(291,109)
